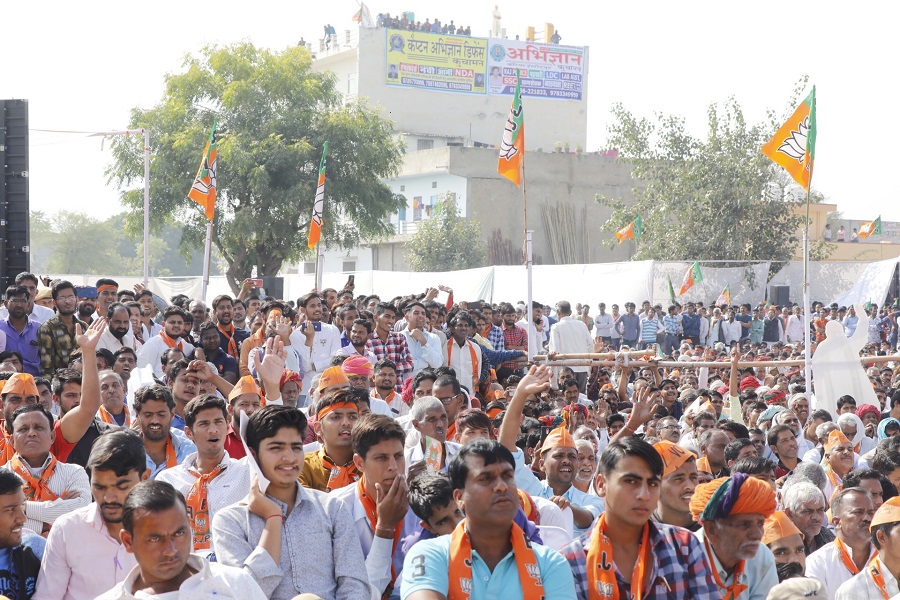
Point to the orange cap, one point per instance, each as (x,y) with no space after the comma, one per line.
(779,526)
(245,385)
(889,512)
(21,384)
(559,437)
(673,456)
(835,438)
(332,376)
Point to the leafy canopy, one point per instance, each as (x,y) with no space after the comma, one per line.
(274,114)
(446,241)
(706,199)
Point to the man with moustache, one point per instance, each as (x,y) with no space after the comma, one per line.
(785,541)
(679,480)
(21,562)
(117,334)
(165,446)
(879,578)
(804,503)
(838,461)
(732,512)
(852,550)
(86,538)
(56,336)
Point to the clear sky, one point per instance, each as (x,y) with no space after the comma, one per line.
(83,66)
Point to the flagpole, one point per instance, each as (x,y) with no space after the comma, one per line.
(529,258)
(320,266)
(146,207)
(207,253)
(807,360)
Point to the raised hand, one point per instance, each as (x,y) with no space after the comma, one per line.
(272,365)
(87,340)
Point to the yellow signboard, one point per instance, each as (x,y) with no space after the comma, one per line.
(433,61)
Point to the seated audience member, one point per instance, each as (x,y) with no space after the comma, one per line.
(804,504)
(879,578)
(209,479)
(165,446)
(785,541)
(487,555)
(20,548)
(679,480)
(85,538)
(156,529)
(332,466)
(52,489)
(291,539)
(430,422)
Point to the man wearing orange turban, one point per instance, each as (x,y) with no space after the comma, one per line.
(782,537)
(879,578)
(852,551)
(732,511)
(559,457)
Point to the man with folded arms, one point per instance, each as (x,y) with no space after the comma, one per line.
(732,511)
(879,578)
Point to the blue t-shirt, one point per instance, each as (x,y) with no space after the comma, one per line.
(427,567)
(744,319)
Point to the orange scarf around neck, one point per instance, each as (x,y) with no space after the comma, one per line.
(368,503)
(198,506)
(601,568)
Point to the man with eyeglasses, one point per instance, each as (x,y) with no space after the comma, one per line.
(37,313)
(669,429)
(56,336)
(21,333)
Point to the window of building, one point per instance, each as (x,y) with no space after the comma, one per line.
(402,188)
(434,185)
(424,144)
(309,268)
(417,208)
(349,265)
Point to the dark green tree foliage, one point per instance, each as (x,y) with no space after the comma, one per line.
(706,199)
(274,115)
(446,241)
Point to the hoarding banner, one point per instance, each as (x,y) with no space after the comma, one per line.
(434,61)
(545,70)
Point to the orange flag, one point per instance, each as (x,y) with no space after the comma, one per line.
(203,191)
(315,224)
(794,145)
(512,148)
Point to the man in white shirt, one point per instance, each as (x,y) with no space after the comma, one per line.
(35,312)
(379,501)
(603,326)
(537,331)
(794,329)
(571,336)
(209,479)
(118,331)
(464,355)
(879,578)
(424,347)
(155,524)
(314,341)
(836,562)
(52,488)
(84,556)
(170,337)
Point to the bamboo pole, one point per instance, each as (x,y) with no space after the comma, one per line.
(682,365)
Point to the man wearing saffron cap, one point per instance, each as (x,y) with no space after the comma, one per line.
(628,555)
(838,461)
(732,511)
(837,562)
(331,467)
(679,480)
(559,457)
(879,579)
(359,372)
(782,537)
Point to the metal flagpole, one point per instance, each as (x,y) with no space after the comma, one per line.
(320,266)
(528,257)
(207,253)
(807,364)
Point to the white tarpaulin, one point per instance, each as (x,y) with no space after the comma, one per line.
(827,279)
(872,286)
(746,284)
(612,283)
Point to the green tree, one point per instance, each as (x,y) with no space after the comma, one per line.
(85,245)
(446,241)
(274,114)
(705,199)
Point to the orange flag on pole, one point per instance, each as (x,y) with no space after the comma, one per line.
(512,148)
(203,191)
(794,145)
(315,224)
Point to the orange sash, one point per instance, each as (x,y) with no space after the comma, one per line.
(372,513)
(836,481)
(844,555)
(36,489)
(878,577)
(7,451)
(338,477)
(601,569)
(107,417)
(170,342)
(460,576)
(736,589)
(434,454)
(198,507)
(451,432)
(474,362)
(232,344)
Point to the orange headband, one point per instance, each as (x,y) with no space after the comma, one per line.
(274,314)
(103,288)
(323,412)
(494,412)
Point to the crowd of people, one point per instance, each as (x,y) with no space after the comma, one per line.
(347,446)
(409,24)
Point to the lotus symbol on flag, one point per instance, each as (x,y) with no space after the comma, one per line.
(795,145)
(507,148)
